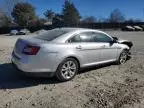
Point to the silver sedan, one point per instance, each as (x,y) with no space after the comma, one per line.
(62,52)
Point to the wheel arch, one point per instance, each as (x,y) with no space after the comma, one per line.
(73,57)
(124,49)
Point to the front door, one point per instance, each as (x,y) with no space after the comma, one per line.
(108,50)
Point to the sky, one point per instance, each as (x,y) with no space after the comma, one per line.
(97,8)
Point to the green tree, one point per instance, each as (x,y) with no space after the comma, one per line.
(58,20)
(23,13)
(116,16)
(71,16)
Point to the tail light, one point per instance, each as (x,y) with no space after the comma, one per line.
(30,50)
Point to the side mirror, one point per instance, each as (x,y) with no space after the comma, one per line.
(115,38)
(113,41)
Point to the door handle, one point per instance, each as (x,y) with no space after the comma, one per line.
(79,47)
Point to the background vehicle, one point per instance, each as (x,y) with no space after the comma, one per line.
(23,32)
(62,52)
(137,28)
(142,26)
(13,32)
(128,28)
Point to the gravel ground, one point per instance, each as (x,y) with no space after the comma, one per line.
(106,86)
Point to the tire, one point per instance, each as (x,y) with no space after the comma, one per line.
(123,57)
(67,69)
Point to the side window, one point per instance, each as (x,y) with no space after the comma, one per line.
(100,37)
(82,37)
(74,39)
(86,37)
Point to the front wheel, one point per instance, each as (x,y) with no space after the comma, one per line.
(123,57)
(67,69)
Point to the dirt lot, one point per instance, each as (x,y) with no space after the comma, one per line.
(109,86)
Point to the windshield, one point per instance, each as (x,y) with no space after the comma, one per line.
(51,35)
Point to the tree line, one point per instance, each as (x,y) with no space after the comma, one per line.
(24,14)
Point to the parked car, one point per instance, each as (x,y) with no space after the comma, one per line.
(41,31)
(142,26)
(13,32)
(128,28)
(137,28)
(62,52)
(23,32)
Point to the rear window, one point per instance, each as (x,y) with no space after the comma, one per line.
(51,35)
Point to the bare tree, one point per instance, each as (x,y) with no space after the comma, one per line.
(90,19)
(116,16)
(132,20)
(4,19)
(49,14)
(9,4)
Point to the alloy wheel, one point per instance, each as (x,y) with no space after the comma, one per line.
(123,58)
(68,69)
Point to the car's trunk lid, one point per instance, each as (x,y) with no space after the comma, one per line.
(22,42)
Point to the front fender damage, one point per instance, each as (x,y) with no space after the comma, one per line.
(126,42)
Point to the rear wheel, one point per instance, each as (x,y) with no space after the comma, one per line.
(123,57)
(67,69)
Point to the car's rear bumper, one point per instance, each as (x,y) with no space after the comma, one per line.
(31,69)
(33,74)
(37,63)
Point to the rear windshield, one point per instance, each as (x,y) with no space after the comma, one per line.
(51,35)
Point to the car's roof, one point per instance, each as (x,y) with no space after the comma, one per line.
(70,29)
